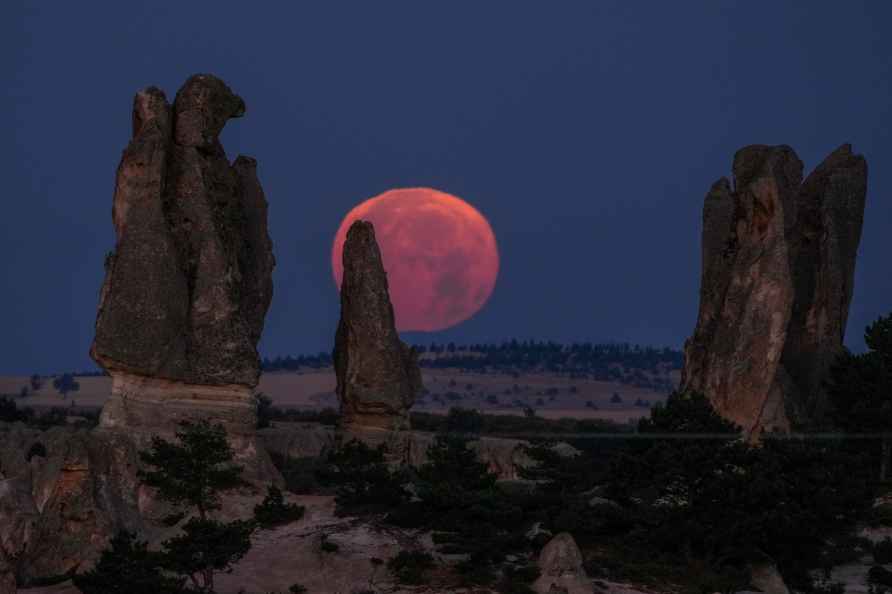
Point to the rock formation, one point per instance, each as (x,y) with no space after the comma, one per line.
(377,374)
(188,285)
(778,261)
(560,562)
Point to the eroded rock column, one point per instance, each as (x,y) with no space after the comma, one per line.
(377,374)
(190,280)
(778,260)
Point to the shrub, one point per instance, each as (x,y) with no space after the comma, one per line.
(127,566)
(363,481)
(274,511)
(882,551)
(326,546)
(36,449)
(409,566)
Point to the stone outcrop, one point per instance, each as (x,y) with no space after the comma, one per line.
(61,501)
(778,260)
(189,282)
(377,374)
(503,457)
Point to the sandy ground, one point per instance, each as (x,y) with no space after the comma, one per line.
(551,395)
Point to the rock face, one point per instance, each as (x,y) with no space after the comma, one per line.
(61,502)
(377,374)
(188,285)
(778,262)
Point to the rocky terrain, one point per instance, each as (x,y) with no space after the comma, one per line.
(777,278)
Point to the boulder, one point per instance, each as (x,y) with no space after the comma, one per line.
(187,287)
(767,579)
(560,562)
(377,374)
(778,257)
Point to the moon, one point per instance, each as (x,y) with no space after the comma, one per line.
(439,253)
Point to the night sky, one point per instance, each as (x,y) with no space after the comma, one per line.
(587,132)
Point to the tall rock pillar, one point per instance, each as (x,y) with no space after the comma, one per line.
(778,261)
(377,374)
(188,285)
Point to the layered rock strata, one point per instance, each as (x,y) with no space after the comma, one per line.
(377,374)
(778,261)
(190,280)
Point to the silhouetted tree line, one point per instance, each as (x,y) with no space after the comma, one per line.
(641,366)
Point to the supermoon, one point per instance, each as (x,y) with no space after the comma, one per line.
(439,252)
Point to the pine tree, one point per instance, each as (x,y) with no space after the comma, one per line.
(127,566)
(194,472)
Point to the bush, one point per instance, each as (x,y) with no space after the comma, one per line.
(882,551)
(300,474)
(127,566)
(409,566)
(273,511)
(36,449)
(363,481)
(326,546)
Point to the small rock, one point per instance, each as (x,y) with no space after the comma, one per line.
(767,579)
(561,565)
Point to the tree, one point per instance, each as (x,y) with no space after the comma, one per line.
(36,382)
(66,383)
(127,566)
(194,472)
(264,410)
(860,388)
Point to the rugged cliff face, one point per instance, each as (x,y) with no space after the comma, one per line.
(378,375)
(778,260)
(189,283)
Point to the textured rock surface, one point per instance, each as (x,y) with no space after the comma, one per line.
(560,562)
(504,457)
(778,258)
(188,285)
(58,510)
(377,374)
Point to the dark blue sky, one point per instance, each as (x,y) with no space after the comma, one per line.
(587,132)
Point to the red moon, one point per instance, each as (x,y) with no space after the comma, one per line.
(439,252)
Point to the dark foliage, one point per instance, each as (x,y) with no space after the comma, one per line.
(274,511)
(193,472)
(860,389)
(206,546)
(511,425)
(196,469)
(127,566)
(326,416)
(362,479)
(409,567)
(65,384)
(301,474)
(36,449)
(636,365)
(264,406)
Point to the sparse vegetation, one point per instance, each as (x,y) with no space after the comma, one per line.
(274,511)
(65,384)
(636,365)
